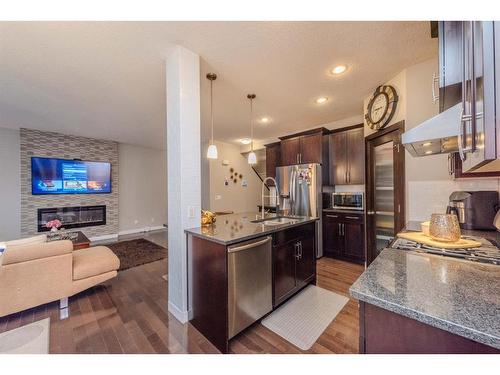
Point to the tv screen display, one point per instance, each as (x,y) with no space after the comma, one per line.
(61,176)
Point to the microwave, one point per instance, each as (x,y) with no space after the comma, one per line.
(348,201)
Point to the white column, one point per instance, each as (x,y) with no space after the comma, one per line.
(183,159)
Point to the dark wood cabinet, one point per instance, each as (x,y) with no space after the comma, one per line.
(338,159)
(344,236)
(347,157)
(294,261)
(304,148)
(306,261)
(333,245)
(385,332)
(273,160)
(354,234)
(284,271)
(290,151)
(356,156)
(311,148)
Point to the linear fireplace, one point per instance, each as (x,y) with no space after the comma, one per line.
(72,217)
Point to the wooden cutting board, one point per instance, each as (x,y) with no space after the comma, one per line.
(426,240)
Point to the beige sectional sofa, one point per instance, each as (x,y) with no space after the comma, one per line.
(36,273)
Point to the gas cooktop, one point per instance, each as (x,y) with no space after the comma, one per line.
(488,252)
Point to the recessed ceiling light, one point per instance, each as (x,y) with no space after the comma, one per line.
(427,144)
(339,69)
(264,120)
(246,141)
(321,100)
(428,152)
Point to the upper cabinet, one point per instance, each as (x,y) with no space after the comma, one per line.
(304,148)
(468,71)
(273,160)
(311,148)
(290,151)
(347,157)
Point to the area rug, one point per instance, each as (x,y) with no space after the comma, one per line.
(303,319)
(137,252)
(32,338)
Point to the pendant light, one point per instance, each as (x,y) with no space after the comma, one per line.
(212,148)
(252,158)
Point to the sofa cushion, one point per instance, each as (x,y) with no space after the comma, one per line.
(33,251)
(27,241)
(93,261)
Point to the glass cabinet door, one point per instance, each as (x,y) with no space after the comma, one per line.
(385,189)
(383,194)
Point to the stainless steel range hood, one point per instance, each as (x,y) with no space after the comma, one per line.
(438,135)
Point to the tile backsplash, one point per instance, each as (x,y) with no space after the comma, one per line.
(428,197)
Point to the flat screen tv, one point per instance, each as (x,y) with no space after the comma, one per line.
(61,176)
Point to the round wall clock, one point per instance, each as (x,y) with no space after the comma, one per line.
(381,107)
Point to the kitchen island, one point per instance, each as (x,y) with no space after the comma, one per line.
(413,302)
(243,266)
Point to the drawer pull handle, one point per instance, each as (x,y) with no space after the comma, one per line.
(352,217)
(331,216)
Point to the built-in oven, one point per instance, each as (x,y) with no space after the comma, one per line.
(348,201)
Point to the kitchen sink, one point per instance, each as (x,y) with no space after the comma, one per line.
(277,220)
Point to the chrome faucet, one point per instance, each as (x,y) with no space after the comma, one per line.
(269,196)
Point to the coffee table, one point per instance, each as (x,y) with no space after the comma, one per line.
(79,239)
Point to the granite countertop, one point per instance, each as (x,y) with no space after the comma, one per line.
(230,229)
(458,296)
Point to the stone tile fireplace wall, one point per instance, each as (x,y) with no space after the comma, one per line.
(55,145)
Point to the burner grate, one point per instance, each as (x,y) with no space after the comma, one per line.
(487,253)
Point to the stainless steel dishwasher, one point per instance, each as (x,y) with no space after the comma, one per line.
(250,293)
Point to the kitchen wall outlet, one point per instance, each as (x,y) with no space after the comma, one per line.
(244,183)
(152,219)
(136,221)
(218,197)
(225,162)
(190,212)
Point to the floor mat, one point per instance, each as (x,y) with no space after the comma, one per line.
(134,253)
(32,338)
(303,318)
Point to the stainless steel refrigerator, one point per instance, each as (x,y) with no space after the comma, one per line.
(299,189)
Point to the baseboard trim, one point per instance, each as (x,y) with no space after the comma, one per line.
(104,237)
(181,316)
(140,230)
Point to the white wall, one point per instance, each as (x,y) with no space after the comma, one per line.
(10,185)
(233,197)
(428,184)
(143,188)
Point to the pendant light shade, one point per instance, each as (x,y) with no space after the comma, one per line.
(252,158)
(212,152)
(212,148)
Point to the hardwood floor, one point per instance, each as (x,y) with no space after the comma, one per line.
(129,315)
(341,336)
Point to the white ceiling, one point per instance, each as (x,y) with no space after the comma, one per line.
(107,80)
